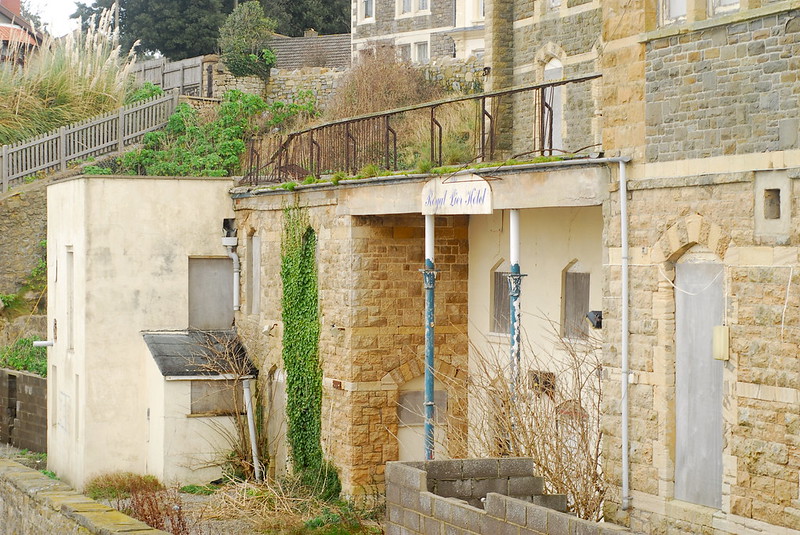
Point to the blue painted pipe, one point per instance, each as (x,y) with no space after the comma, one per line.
(429,277)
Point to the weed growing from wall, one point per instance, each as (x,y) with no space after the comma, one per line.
(301,329)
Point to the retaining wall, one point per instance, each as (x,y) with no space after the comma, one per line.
(474,496)
(23,410)
(33,504)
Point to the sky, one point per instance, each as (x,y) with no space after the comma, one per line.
(55,13)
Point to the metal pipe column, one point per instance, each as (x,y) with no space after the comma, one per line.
(429,278)
(514,286)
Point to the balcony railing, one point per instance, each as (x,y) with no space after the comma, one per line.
(516,122)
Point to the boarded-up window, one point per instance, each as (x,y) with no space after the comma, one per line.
(210,293)
(217,397)
(500,303)
(576,304)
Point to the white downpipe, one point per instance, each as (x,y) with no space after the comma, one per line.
(623,214)
(514,232)
(429,237)
(251,425)
(230,242)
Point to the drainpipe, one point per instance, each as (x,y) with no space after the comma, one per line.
(230,243)
(623,215)
(429,279)
(514,287)
(251,425)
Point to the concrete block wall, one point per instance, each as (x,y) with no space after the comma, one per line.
(440,497)
(25,424)
(33,504)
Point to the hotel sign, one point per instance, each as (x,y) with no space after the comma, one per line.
(458,195)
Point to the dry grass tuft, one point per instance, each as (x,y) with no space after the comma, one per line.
(64,81)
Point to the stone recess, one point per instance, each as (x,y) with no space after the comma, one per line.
(33,504)
(371,304)
(471,496)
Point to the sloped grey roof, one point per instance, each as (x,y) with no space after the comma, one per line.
(186,353)
(321,51)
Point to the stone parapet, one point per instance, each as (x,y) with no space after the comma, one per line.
(33,504)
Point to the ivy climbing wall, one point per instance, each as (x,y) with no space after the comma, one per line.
(370,318)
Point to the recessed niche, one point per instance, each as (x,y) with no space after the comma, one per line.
(772,203)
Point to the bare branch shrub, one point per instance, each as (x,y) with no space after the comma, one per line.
(224,355)
(380,82)
(552,415)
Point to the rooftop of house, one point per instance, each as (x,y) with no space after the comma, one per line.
(191,353)
(313,50)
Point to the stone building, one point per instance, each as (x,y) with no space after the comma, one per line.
(420,30)
(704,98)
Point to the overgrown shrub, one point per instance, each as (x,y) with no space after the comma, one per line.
(380,82)
(115,486)
(189,147)
(146,91)
(22,356)
(244,41)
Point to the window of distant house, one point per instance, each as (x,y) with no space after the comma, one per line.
(717,7)
(673,11)
(421,52)
(500,302)
(367,9)
(575,302)
(413,7)
(404,52)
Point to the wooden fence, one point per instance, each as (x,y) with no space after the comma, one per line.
(186,75)
(90,138)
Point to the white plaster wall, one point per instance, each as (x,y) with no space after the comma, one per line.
(193,446)
(551,238)
(132,238)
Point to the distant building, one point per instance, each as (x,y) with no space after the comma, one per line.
(17,35)
(421,30)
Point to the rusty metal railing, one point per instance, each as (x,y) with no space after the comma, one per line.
(452,131)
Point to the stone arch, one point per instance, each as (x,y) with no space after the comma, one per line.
(547,52)
(454,380)
(686,233)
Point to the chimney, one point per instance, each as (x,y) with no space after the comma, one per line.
(13,6)
(311,32)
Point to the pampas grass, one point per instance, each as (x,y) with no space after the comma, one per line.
(63,81)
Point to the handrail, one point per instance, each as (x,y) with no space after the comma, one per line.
(346,145)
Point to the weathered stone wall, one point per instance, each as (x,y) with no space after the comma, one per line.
(462,76)
(23,420)
(761,381)
(285,84)
(371,304)
(33,504)
(725,90)
(552,35)
(23,226)
(477,496)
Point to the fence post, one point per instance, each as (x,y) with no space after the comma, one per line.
(4,168)
(62,148)
(121,130)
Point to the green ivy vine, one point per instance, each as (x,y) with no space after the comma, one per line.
(301,329)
